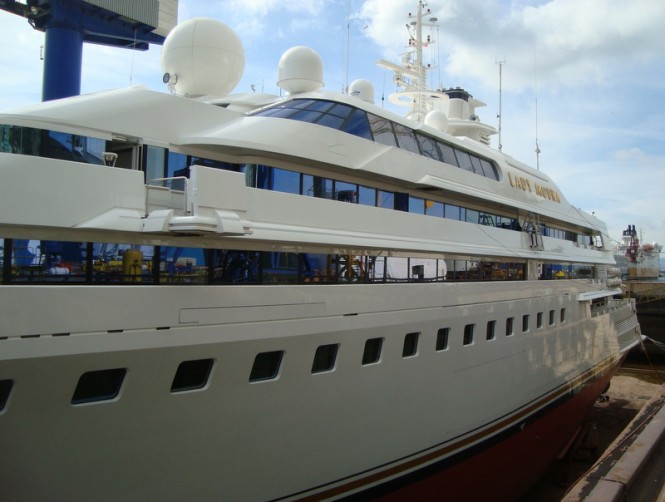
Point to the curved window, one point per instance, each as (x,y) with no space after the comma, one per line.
(366,125)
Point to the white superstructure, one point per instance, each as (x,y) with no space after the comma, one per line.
(247,297)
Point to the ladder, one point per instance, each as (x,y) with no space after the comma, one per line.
(533,228)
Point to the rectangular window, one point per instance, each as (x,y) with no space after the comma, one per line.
(346,192)
(442,339)
(266,366)
(155,160)
(406,138)
(464,160)
(367,196)
(490,335)
(101,385)
(385,199)
(563,315)
(428,146)
(448,154)
(525,323)
(382,130)
(372,352)
(433,208)
(468,334)
(5,390)
(453,212)
(509,326)
(192,375)
(539,320)
(416,205)
(410,347)
(551,317)
(324,358)
(285,181)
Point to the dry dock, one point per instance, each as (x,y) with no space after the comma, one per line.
(622,456)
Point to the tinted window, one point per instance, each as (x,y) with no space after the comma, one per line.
(406,139)
(382,130)
(428,147)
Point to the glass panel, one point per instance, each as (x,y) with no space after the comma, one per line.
(372,352)
(367,196)
(114,262)
(410,346)
(76,148)
(382,130)
(324,358)
(416,205)
(442,339)
(306,116)
(177,165)
(464,161)
(101,385)
(315,186)
(453,212)
(406,138)
(358,125)
(192,375)
(285,181)
(233,267)
(346,192)
(447,154)
(468,334)
(331,121)
(23,140)
(183,266)
(475,162)
(489,169)
(385,199)
(266,366)
(472,216)
(433,208)
(428,147)
(280,268)
(155,158)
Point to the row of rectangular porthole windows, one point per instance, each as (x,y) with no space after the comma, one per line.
(490,333)
(105,385)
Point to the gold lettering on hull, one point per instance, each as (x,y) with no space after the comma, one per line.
(524,184)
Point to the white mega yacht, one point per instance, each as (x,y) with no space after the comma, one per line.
(244,297)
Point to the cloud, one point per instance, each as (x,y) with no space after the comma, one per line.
(563,42)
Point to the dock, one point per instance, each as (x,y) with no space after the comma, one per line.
(620,454)
(633,466)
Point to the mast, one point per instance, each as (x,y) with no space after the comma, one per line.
(500,63)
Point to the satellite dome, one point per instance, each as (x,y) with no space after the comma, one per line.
(437,119)
(362,89)
(300,70)
(201,57)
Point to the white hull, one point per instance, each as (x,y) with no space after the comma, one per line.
(237,440)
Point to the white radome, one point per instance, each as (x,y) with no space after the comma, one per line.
(203,57)
(300,70)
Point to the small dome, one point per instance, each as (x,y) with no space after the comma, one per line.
(362,89)
(437,119)
(300,70)
(202,57)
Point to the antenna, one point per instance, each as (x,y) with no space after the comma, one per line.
(346,49)
(535,85)
(500,63)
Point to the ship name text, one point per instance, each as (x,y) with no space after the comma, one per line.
(526,185)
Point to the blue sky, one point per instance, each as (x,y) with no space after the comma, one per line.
(596,69)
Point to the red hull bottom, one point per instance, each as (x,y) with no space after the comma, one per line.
(505,470)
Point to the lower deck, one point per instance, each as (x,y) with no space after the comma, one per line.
(260,392)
